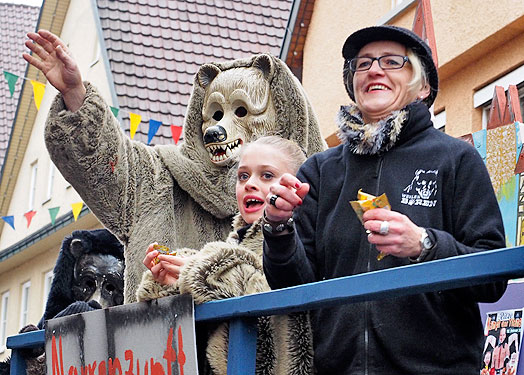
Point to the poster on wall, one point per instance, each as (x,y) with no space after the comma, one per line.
(503,332)
(154,337)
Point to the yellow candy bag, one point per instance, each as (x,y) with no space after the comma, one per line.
(162,250)
(367,202)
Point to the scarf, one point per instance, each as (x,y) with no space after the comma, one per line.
(369,139)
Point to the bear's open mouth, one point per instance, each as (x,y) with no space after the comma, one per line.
(221,152)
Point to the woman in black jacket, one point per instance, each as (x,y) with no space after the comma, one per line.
(442,205)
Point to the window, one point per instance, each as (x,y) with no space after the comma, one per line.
(50,180)
(32,186)
(483,97)
(3,321)
(24,303)
(48,279)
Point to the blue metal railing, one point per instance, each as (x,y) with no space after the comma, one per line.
(456,272)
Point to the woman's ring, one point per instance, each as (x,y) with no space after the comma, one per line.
(384,228)
(273,200)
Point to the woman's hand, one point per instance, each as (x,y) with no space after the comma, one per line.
(290,192)
(57,65)
(403,237)
(167,270)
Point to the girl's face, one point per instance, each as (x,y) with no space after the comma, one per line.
(260,166)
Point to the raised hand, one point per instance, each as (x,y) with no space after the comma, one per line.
(290,192)
(58,66)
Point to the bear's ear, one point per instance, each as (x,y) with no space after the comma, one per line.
(206,74)
(76,247)
(264,63)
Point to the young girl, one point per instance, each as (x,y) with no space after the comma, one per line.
(234,267)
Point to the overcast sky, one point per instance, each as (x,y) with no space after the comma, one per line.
(27,2)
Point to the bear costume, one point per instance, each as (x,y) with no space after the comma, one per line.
(179,196)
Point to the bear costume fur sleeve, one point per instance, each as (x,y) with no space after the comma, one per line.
(178,196)
(234,268)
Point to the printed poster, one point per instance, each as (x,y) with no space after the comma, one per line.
(503,333)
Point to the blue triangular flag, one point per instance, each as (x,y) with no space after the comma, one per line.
(9,220)
(153,128)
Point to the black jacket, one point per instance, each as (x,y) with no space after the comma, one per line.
(441,184)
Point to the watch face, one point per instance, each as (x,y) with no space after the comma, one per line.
(427,243)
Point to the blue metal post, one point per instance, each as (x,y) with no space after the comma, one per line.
(31,339)
(241,358)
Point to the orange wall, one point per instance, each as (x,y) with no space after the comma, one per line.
(477,42)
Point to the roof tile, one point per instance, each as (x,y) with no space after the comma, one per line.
(15,21)
(156,46)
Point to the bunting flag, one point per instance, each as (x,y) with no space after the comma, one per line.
(11,81)
(38,92)
(29,216)
(77,207)
(52,214)
(135,121)
(9,220)
(115,111)
(153,128)
(176,131)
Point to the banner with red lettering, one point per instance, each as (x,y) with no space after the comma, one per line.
(145,338)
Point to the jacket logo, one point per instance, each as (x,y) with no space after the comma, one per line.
(422,189)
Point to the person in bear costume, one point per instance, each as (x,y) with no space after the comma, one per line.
(88,275)
(179,196)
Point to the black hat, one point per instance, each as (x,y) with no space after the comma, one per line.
(408,38)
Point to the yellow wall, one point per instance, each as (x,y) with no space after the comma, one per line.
(477,42)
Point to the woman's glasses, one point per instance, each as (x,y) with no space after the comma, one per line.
(386,62)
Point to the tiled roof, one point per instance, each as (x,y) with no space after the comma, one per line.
(156,46)
(15,22)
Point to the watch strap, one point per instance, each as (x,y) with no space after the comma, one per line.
(425,250)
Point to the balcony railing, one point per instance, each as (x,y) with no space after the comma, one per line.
(456,272)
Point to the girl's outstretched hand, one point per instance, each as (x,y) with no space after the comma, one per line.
(290,192)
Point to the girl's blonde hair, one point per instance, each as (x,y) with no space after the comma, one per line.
(289,149)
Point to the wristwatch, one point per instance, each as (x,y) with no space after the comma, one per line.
(273,227)
(426,244)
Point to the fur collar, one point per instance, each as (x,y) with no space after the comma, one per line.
(252,238)
(372,138)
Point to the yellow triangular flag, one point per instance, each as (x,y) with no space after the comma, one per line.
(77,207)
(135,121)
(38,92)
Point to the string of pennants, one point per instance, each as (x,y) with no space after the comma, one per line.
(134,118)
(53,212)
